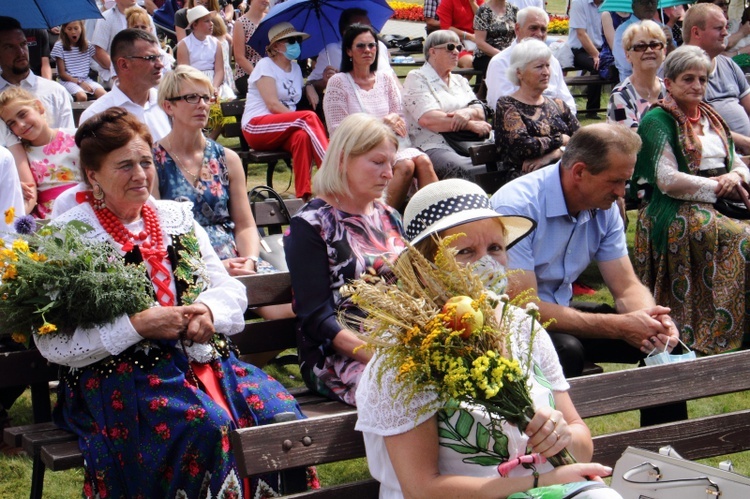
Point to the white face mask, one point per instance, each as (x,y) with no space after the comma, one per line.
(492,273)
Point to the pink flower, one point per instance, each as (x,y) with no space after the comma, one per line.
(153,380)
(216,188)
(61,143)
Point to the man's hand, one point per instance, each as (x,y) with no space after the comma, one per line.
(646,327)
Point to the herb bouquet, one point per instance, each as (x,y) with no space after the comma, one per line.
(54,280)
(437,328)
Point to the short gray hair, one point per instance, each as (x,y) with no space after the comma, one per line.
(683,58)
(525,12)
(439,37)
(529,50)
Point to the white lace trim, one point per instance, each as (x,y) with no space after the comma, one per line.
(174,218)
(679,185)
(201,352)
(119,336)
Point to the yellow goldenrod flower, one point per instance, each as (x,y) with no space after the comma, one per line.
(10,273)
(21,245)
(18,337)
(38,257)
(10,214)
(47,328)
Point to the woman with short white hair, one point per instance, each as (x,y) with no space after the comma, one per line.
(438,101)
(531,129)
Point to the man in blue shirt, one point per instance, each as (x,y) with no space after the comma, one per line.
(578,222)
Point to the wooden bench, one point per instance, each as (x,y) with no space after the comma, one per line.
(331,438)
(78,109)
(585,81)
(235,109)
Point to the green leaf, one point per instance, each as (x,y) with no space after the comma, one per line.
(500,446)
(464,423)
(461,449)
(483,436)
(540,377)
(484,460)
(448,433)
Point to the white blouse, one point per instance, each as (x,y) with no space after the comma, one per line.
(225,296)
(383,410)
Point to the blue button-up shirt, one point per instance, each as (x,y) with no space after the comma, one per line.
(562,245)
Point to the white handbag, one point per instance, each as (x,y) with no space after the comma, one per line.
(642,474)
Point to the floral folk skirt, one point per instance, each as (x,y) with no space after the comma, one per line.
(703,276)
(146,431)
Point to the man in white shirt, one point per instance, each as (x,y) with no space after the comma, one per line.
(113,21)
(531,22)
(138,64)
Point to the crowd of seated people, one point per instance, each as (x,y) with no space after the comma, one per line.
(392,144)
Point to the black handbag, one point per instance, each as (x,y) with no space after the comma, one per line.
(739,211)
(462,140)
(271,245)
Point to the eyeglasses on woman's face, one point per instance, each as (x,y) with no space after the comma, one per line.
(450,47)
(368,46)
(642,47)
(192,98)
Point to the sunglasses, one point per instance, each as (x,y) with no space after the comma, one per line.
(148,58)
(192,98)
(450,47)
(641,47)
(362,46)
(293,40)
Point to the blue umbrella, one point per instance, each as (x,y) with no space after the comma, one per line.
(48,13)
(626,5)
(319,19)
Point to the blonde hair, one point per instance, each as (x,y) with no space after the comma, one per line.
(17,95)
(648,27)
(171,82)
(220,28)
(358,134)
(136,13)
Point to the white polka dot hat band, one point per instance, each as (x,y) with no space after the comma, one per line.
(448,203)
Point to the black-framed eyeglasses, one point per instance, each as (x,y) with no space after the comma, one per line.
(362,46)
(641,47)
(193,98)
(148,58)
(450,47)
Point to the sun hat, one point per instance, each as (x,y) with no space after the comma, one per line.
(448,203)
(196,13)
(284,30)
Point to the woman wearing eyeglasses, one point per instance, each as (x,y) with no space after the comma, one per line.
(436,101)
(692,257)
(644,44)
(191,167)
(271,120)
(361,88)
(531,129)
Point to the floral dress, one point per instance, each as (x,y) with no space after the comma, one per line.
(500,29)
(210,197)
(524,131)
(55,168)
(325,249)
(146,427)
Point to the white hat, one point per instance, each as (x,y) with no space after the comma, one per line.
(284,30)
(196,13)
(448,203)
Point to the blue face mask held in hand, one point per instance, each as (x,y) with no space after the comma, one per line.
(665,357)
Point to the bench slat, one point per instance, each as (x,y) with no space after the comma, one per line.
(13,436)
(267,289)
(64,456)
(333,438)
(693,439)
(363,489)
(651,386)
(31,442)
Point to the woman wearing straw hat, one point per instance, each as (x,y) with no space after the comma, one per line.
(271,121)
(421,458)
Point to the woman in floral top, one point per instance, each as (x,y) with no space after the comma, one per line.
(52,153)
(494,31)
(192,168)
(345,232)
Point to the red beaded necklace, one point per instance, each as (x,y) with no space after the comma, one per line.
(152,251)
(696,119)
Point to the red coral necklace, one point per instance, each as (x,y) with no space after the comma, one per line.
(151,246)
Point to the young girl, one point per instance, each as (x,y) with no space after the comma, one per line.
(200,49)
(73,55)
(226,90)
(52,153)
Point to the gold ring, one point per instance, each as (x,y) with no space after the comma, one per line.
(554,422)
(556,435)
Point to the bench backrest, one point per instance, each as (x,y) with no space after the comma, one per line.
(234,108)
(332,438)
